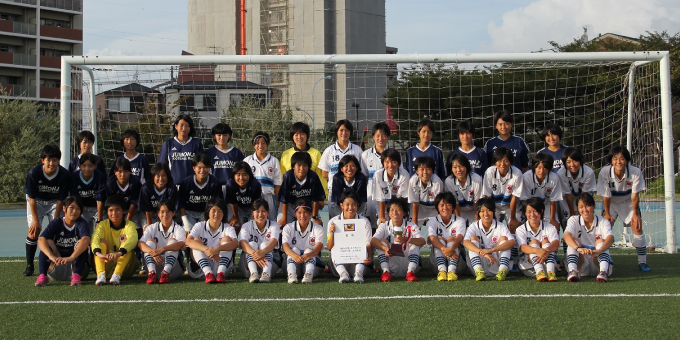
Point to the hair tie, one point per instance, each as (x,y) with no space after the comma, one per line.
(303,207)
(258,136)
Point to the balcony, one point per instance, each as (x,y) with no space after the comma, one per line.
(61,33)
(17,59)
(15,90)
(17,27)
(69,5)
(50,92)
(50,62)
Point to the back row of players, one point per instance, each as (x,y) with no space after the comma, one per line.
(557,175)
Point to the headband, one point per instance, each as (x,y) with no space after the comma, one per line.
(258,136)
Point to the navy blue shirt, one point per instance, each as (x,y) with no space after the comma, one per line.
(75,164)
(243,197)
(41,188)
(130,193)
(477,157)
(193,197)
(179,156)
(149,197)
(557,157)
(140,167)
(90,192)
(359,186)
(223,162)
(64,238)
(516,144)
(436,153)
(291,190)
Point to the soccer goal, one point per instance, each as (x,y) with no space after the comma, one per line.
(599,99)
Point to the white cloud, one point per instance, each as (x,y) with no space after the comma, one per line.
(530,28)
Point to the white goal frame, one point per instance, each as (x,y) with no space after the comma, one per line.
(637,58)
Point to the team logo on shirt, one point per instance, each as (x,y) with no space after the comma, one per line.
(269,235)
(581,184)
(431,194)
(271,170)
(597,237)
(629,183)
(453,232)
(494,239)
(548,190)
(470,193)
(312,240)
(123,238)
(509,187)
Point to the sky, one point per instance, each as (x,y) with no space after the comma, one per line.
(159,27)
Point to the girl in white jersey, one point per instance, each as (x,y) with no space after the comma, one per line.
(446,232)
(161,244)
(259,238)
(465,185)
(302,242)
(538,240)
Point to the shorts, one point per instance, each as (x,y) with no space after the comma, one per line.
(45,209)
(489,269)
(351,268)
(503,213)
(91,217)
(301,267)
(424,213)
(592,268)
(623,211)
(527,267)
(460,268)
(399,264)
(469,215)
(273,209)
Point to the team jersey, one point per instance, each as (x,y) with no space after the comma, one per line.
(331,158)
(358,184)
(123,238)
(43,188)
(501,189)
(432,151)
(193,197)
(211,238)
(179,155)
(292,189)
(436,227)
(293,235)
(548,191)
(515,143)
(385,188)
(74,164)
(130,192)
(583,182)
(557,157)
(368,231)
(149,196)
(65,237)
(477,157)
(524,234)
(157,233)
(417,193)
(266,171)
(316,158)
(371,161)
(251,233)
(90,192)
(600,230)
(466,195)
(620,190)
(223,161)
(385,231)
(243,197)
(488,238)
(140,166)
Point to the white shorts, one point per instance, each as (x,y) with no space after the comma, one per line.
(351,268)
(300,267)
(503,213)
(273,209)
(591,267)
(469,215)
(460,269)
(424,213)
(527,267)
(399,264)
(91,217)
(623,211)
(45,209)
(489,269)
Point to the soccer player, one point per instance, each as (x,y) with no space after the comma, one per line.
(552,135)
(477,158)
(88,184)
(403,235)
(129,139)
(127,187)
(349,203)
(619,184)
(161,244)
(348,177)
(242,190)
(577,178)
(539,241)
(258,240)
(222,155)
(541,182)
(299,134)
(589,238)
(160,188)
(488,243)
(63,246)
(196,190)
(212,243)
(446,232)
(503,122)
(46,187)
(302,242)
(370,163)
(181,149)
(425,148)
(391,181)
(465,185)
(85,140)
(422,189)
(300,182)
(113,242)
(266,170)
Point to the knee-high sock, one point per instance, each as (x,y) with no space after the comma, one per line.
(413,258)
(148,260)
(225,260)
(505,257)
(252,265)
(639,241)
(31,247)
(203,261)
(383,259)
(475,259)
(538,267)
(453,264)
(572,259)
(291,265)
(440,259)
(309,265)
(170,258)
(603,258)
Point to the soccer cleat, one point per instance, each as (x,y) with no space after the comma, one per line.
(644,267)
(552,277)
(265,278)
(386,277)
(500,276)
(344,277)
(209,278)
(142,269)
(29,270)
(602,277)
(151,278)
(541,277)
(165,278)
(42,280)
(411,277)
(101,280)
(573,276)
(115,279)
(254,278)
(292,278)
(307,278)
(75,279)
(451,276)
(480,275)
(221,278)
(441,276)
(358,277)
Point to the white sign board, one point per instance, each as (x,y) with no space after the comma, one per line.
(350,241)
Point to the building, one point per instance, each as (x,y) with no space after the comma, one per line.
(34,34)
(124,105)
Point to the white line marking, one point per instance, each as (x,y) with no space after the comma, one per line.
(464,296)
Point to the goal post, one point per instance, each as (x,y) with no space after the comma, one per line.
(503,76)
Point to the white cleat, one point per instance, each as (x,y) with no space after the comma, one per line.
(115,279)
(307,278)
(344,277)
(254,278)
(358,277)
(292,278)
(101,280)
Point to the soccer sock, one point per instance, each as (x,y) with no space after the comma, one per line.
(603,258)
(203,261)
(340,268)
(639,243)
(225,260)
(505,257)
(453,264)
(31,247)
(413,258)
(291,266)
(384,260)
(551,262)
(309,265)
(475,260)
(572,259)
(268,267)
(252,265)
(170,259)
(43,263)
(150,263)
(440,259)
(514,254)
(359,268)
(534,260)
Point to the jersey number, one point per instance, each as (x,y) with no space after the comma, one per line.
(494,187)
(254,238)
(205,241)
(294,241)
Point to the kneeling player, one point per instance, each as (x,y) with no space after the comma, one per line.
(302,244)
(446,232)
(589,238)
(258,239)
(349,204)
(398,231)
(488,243)
(161,244)
(113,242)
(63,246)
(539,241)
(212,242)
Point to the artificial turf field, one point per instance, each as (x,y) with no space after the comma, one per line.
(631,305)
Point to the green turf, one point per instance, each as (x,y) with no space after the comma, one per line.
(611,317)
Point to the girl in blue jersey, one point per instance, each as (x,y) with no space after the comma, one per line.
(181,149)
(479,162)
(552,135)
(85,140)
(194,191)
(242,190)
(159,188)
(89,184)
(222,155)
(503,122)
(129,139)
(349,177)
(123,184)
(425,148)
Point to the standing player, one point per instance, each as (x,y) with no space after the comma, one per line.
(178,151)
(129,139)
(258,240)
(242,190)
(85,140)
(479,162)
(46,187)
(446,232)
(222,155)
(465,185)
(63,245)
(370,163)
(503,122)
(302,243)
(160,188)
(539,241)
(577,178)
(391,181)
(619,184)
(348,177)
(88,184)
(541,182)
(425,148)
(196,190)
(128,187)
(422,189)
(300,183)
(299,134)
(161,244)
(552,135)
(266,170)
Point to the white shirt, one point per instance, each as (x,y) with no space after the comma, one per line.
(524,234)
(155,232)
(384,189)
(267,172)
(488,239)
(339,218)
(584,181)
(371,162)
(201,230)
(501,189)
(620,190)
(548,191)
(386,231)
(600,229)
(332,156)
(467,194)
(417,193)
(296,238)
(251,233)
(455,227)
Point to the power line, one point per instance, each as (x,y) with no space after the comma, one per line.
(142,35)
(146,41)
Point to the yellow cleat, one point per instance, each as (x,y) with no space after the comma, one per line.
(452,276)
(480,275)
(541,277)
(441,276)
(552,277)
(501,275)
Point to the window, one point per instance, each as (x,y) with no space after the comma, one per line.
(6,48)
(53,53)
(10,17)
(49,83)
(199,102)
(55,23)
(9,80)
(120,104)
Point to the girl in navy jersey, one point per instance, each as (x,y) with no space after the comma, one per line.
(159,188)
(222,155)
(425,148)
(242,189)
(181,149)
(479,162)
(552,135)
(129,139)
(85,140)
(196,190)
(123,184)
(503,122)
(88,184)
(349,177)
